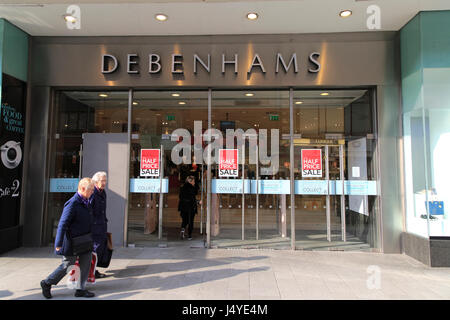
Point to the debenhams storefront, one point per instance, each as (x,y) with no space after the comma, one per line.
(94,102)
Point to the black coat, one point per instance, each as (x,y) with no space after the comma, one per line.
(187,203)
(99,227)
(98,201)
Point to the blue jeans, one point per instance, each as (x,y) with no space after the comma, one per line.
(85,263)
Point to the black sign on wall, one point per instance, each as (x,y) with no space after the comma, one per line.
(12,137)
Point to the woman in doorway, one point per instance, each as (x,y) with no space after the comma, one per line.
(187,206)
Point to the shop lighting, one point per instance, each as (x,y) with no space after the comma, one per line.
(345,13)
(324,94)
(249,94)
(161,17)
(103,95)
(182,102)
(175,94)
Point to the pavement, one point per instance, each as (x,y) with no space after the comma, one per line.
(186,271)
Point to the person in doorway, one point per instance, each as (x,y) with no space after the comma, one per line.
(100,227)
(187,206)
(76,220)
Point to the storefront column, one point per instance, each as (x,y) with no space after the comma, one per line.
(291,167)
(208,180)
(125,224)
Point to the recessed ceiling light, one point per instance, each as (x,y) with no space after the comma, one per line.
(181,102)
(324,94)
(249,94)
(135,103)
(103,95)
(175,94)
(345,13)
(161,17)
(252,16)
(69,18)
(298,102)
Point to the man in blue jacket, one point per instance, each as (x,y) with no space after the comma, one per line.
(76,220)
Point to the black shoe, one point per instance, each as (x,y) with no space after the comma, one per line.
(84,294)
(99,275)
(46,289)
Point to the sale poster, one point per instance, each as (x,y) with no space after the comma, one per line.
(228,163)
(311,163)
(150,162)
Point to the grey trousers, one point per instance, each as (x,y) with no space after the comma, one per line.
(85,263)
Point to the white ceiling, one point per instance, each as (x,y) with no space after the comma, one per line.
(209,17)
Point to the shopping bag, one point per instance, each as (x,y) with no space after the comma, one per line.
(73,280)
(105,258)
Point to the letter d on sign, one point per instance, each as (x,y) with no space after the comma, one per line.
(105,64)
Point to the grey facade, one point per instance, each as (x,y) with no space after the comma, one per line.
(346,60)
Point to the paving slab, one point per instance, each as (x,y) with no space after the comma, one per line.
(191,273)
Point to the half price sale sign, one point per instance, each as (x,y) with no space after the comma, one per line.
(311,163)
(150,162)
(228,163)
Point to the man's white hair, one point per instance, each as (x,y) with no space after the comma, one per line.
(98,175)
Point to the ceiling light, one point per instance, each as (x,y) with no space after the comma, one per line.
(135,103)
(345,13)
(298,102)
(161,17)
(324,94)
(252,16)
(249,94)
(175,94)
(69,18)
(103,95)
(181,102)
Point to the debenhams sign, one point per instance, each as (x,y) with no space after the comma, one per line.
(153,64)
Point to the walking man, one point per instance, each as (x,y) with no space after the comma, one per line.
(100,228)
(76,220)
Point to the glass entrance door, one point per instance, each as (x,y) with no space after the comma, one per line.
(250,210)
(318,202)
(168,121)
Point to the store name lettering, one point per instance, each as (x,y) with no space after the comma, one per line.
(110,63)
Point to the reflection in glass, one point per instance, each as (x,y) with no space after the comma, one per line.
(75,113)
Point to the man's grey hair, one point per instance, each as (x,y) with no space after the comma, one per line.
(97,176)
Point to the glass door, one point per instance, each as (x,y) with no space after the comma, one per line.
(250,210)
(317,207)
(169,121)
(335,208)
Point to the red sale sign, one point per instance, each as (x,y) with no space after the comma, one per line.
(228,163)
(311,163)
(150,162)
